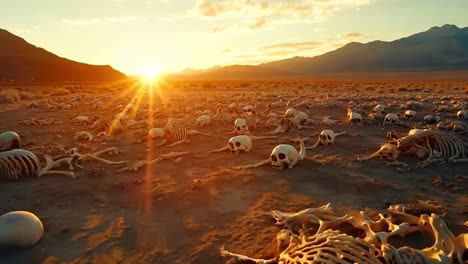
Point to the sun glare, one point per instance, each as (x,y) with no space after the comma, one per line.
(151,73)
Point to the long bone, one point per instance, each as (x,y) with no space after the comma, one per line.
(140,163)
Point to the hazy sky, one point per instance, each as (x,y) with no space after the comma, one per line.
(178,34)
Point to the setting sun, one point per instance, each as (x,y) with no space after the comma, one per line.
(151,72)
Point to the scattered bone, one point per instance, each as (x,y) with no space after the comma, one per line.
(329,245)
(81,120)
(83,135)
(140,163)
(283,156)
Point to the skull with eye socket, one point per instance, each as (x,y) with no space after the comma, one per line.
(284,156)
(73,152)
(240,144)
(327,137)
(241,127)
(388,152)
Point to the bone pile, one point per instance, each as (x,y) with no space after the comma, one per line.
(320,235)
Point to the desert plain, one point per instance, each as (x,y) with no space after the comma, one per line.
(184,210)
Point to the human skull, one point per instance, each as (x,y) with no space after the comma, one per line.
(410,114)
(241,126)
(9,140)
(327,137)
(284,156)
(249,109)
(203,120)
(391,118)
(240,144)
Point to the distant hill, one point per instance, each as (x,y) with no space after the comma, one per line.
(438,49)
(21,61)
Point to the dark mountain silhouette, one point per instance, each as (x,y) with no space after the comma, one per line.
(438,49)
(21,61)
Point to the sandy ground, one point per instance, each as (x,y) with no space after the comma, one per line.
(159,215)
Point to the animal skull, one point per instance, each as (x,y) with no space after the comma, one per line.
(387,151)
(391,118)
(410,114)
(203,120)
(431,119)
(462,114)
(240,144)
(354,117)
(241,127)
(379,109)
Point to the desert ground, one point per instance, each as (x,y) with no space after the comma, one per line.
(184,210)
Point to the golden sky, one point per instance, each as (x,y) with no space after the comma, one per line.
(133,35)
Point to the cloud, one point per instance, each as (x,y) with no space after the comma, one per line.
(353,35)
(263,12)
(92,21)
(288,48)
(261,22)
(217,29)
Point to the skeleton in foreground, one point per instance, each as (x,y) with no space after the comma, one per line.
(320,240)
(283,156)
(441,146)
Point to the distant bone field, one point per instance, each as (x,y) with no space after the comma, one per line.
(200,171)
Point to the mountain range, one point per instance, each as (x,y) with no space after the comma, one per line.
(22,61)
(442,48)
(438,49)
